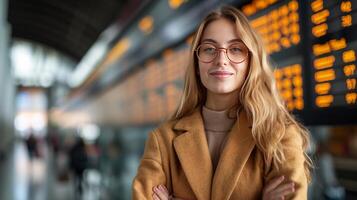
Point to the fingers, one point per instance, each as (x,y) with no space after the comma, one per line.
(284,187)
(283,190)
(276,189)
(160,193)
(155,197)
(274,183)
(165,189)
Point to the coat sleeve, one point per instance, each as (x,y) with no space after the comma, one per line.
(150,172)
(293,166)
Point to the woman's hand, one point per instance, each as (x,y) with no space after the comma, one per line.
(276,190)
(161,193)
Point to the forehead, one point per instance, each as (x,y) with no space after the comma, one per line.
(220,30)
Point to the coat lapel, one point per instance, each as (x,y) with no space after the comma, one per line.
(235,154)
(192,151)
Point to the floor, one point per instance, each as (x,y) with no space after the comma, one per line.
(36,179)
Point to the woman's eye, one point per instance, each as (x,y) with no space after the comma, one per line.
(235,50)
(209,50)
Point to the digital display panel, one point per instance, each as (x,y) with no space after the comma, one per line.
(313,45)
(333,53)
(152,93)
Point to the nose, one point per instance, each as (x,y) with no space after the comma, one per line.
(222,58)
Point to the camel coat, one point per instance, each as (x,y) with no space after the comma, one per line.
(177,155)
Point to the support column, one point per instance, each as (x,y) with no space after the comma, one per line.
(7,85)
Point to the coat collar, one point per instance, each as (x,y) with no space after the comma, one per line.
(193,153)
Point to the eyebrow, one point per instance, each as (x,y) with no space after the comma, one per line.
(214,41)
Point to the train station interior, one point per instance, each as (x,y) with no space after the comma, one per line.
(83,83)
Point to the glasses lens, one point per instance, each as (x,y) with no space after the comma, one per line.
(237,52)
(206,52)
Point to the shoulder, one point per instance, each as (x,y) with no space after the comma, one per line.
(171,129)
(293,136)
(165,132)
(166,126)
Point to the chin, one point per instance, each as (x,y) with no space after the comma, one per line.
(222,90)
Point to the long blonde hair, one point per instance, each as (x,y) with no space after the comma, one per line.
(258,96)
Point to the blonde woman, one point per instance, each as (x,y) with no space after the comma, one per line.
(231,137)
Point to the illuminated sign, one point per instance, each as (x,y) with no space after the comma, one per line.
(290,85)
(152,94)
(279,27)
(334,55)
(318,38)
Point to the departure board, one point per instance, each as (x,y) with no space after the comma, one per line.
(289,82)
(279,26)
(333,26)
(150,94)
(313,45)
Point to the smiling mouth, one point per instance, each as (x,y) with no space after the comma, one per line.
(221,74)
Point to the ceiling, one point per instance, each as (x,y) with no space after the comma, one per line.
(71,27)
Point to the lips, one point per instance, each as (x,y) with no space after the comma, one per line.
(221,74)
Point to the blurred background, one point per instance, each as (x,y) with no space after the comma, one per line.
(83,82)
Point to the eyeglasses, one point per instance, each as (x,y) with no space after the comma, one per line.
(236,52)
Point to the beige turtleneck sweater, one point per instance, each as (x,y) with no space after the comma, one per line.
(217,125)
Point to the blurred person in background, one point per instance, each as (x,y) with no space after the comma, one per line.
(326,185)
(31,144)
(231,136)
(54,142)
(78,160)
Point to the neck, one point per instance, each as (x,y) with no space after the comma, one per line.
(221,102)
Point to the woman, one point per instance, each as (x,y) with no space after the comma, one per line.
(231,136)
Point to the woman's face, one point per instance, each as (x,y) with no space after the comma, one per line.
(221,75)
